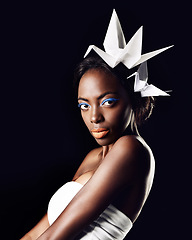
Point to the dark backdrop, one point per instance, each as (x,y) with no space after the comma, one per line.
(44,139)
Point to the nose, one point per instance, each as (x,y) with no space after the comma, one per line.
(96,116)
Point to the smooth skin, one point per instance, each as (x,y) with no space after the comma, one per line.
(119,172)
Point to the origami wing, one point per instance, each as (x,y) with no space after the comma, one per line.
(132,51)
(114,38)
(105,56)
(151,90)
(149,55)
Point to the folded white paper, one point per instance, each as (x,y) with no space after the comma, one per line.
(141,85)
(117,51)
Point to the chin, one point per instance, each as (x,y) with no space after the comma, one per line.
(106,141)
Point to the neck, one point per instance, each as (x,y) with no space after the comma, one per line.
(106,149)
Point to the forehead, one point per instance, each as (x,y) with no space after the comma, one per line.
(95,82)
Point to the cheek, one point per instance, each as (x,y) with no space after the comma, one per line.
(85,118)
(120,118)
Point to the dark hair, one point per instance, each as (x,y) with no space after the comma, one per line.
(142,106)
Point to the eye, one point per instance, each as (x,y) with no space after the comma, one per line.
(109,102)
(84,106)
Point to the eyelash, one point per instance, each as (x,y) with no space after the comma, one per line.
(113,100)
(80,105)
(86,105)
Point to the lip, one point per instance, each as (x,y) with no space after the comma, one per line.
(99,132)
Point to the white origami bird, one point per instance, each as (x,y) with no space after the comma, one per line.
(141,85)
(117,51)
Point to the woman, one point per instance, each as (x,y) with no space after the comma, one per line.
(108,191)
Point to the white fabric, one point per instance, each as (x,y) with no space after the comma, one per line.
(111,224)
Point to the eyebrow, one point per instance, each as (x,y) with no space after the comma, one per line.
(100,97)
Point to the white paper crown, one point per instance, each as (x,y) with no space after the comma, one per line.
(116,51)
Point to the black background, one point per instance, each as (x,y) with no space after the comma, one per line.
(43,137)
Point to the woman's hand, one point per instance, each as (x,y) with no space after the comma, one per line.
(37,230)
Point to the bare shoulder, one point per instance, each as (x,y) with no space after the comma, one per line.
(130,145)
(133,153)
(128,140)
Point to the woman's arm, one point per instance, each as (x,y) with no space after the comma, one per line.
(35,232)
(121,167)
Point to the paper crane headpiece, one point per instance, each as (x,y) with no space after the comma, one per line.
(141,85)
(116,51)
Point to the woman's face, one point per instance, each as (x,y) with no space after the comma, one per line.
(105,106)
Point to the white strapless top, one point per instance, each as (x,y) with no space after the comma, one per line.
(111,224)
